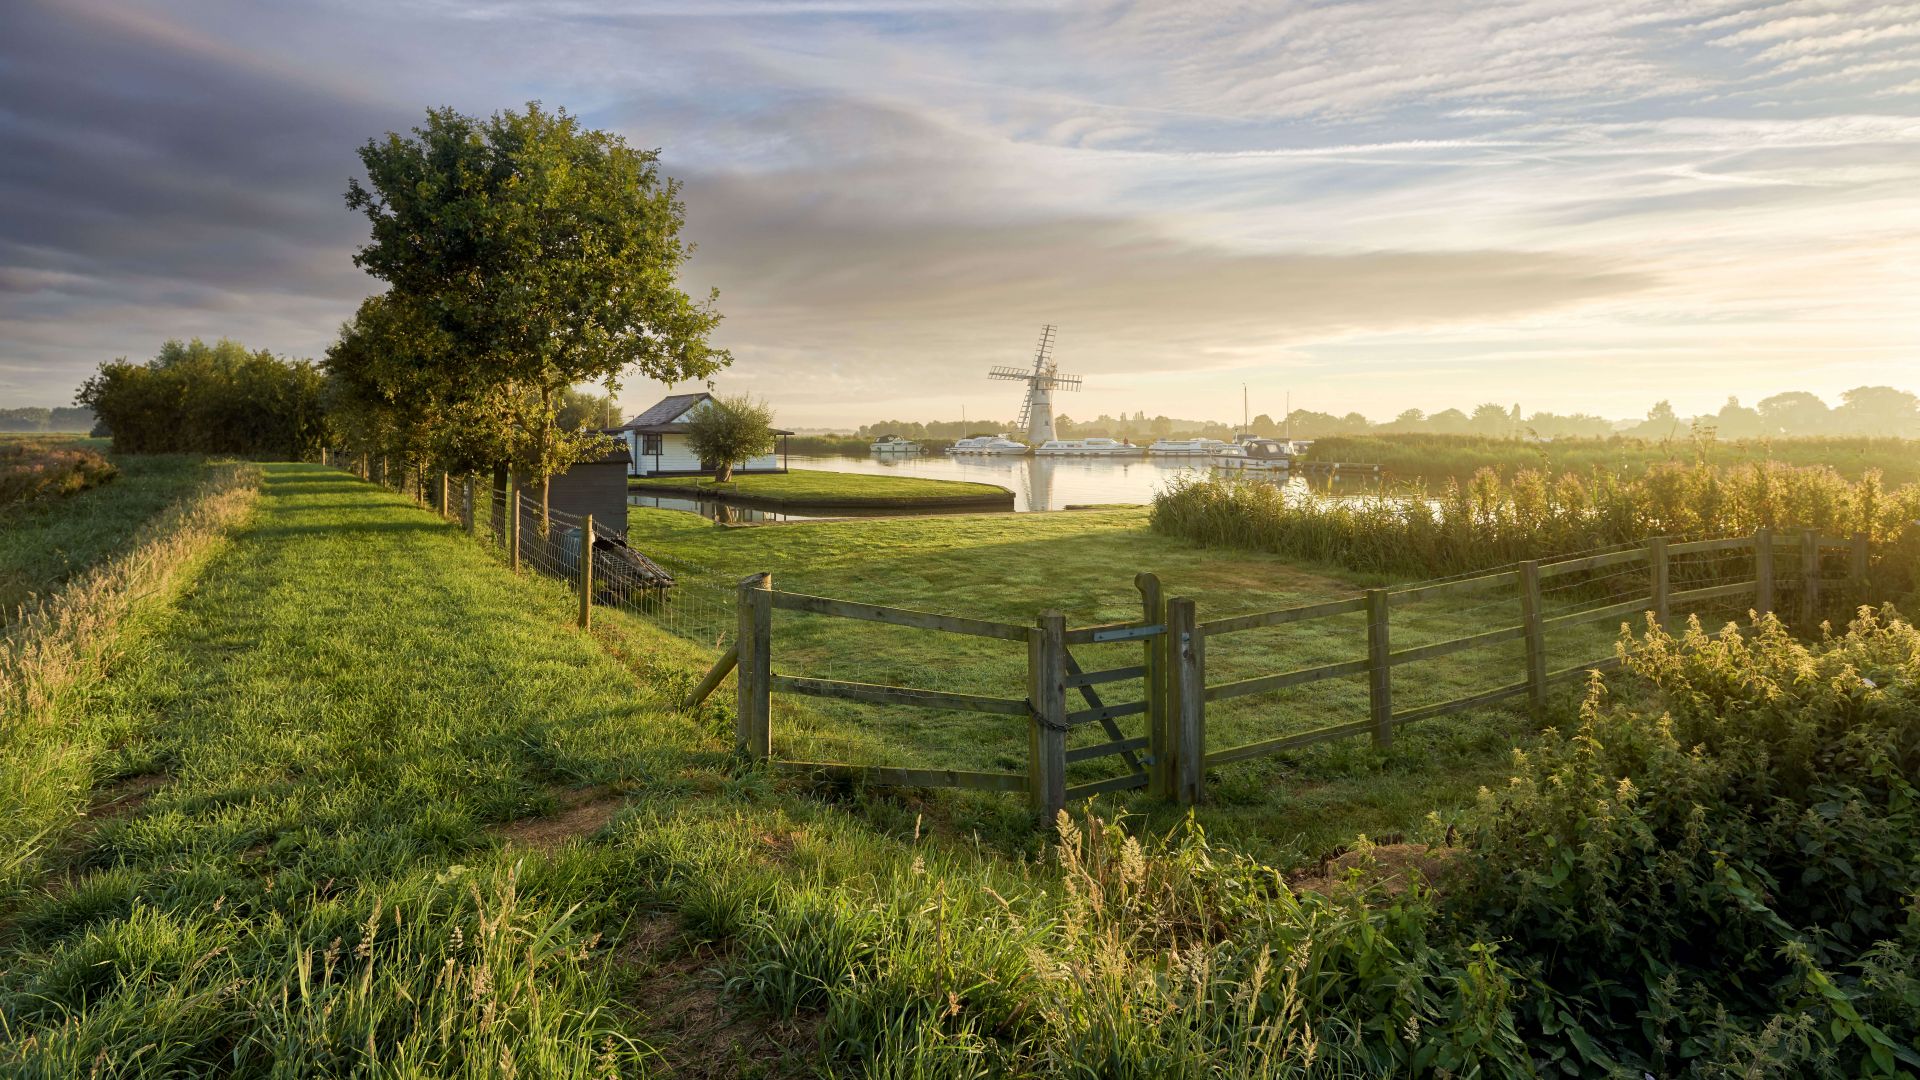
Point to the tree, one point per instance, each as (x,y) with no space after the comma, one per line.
(1492,419)
(1795,412)
(536,254)
(209,399)
(731,431)
(1449,422)
(1878,410)
(580,409)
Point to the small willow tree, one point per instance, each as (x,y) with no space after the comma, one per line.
(731,431)
(532,254)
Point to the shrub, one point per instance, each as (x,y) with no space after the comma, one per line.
(1730,884)
(29,471)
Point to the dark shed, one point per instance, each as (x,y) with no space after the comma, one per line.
(591,487)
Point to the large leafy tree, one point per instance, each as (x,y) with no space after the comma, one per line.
(731,431)
(531,253)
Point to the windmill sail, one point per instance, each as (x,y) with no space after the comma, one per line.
(1036,410)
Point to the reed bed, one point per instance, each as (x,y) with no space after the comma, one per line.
(1493,520)
(1436,457)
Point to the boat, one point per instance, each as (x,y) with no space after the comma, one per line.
(1088,448)
(894,444)
(988,444)
(1256,455)
(1186,447)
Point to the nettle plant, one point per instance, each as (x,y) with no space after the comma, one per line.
(1731,884)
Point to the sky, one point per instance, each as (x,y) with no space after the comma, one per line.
(1365,206)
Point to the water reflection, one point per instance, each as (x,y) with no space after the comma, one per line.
(1037,483)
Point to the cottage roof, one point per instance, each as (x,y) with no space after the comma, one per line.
(659,420)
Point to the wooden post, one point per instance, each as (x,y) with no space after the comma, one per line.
(1534,621)
(586,572)
(1661,566)
(1047,722)
(1379,669)
(1763,571)
(1188,696)
(445,508)
(1160,749)
(513,524)
(323,456)
(466,504)
(1857,561)
(753,707)
(1810,577)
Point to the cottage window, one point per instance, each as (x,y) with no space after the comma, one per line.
(651,445)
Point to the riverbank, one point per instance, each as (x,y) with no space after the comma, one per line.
(811,489)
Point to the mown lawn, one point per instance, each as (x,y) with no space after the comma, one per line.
(47,541)
(1012,567)
(816,487)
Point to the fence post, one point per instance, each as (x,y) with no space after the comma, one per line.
(1857,559)
(1763,571)
(513,524)
(1047,724)
(586,572)
(1661,565)
(466,504)
(1379,669)
(323,456)
(1188,697)
(753,707)
(1810,577)
(1534,621)
(1160,751)
(445,508)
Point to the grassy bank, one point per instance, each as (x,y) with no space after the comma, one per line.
(817,488)
(1440,457)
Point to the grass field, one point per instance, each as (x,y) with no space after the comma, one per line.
(814,487)
(48,541)
(1011,567)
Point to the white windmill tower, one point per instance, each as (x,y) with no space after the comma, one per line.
(1036,412)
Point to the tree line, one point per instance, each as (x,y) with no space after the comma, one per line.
(36,418)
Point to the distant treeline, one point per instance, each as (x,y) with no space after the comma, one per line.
(38,419)
(210,399)
(1866,411)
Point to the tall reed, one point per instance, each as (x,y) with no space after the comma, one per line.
(1491,520)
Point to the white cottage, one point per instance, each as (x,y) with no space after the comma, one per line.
(657,441)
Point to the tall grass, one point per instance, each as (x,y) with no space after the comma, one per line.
(1490,520)
(1436,457)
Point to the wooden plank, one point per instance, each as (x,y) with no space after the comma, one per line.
(1485,697)
(1100,750)
(919,620)
(1092,698)
(1858,556)
(1454,645)
(1402,597)
(1695,547)
(1189,696)
(1101,787)
(1283,615)
(1763,571)
(713,677)
(1047,724)
(1713,592)
(1268,683)
(1611,611)
(1379,668)
(1809,579)
(1155,653)
(1107,712)
(753,697)
(880,694)
(1289,742)
(900,777)
(1607,664)
(1094,678)
(1592,562)
(586,565)
(1536,630)
(1128,631)
(1661,598)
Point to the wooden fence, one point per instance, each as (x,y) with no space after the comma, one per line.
(1170,753)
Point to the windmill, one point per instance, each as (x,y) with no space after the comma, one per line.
(1036,412)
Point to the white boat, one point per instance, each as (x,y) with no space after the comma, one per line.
(1088,448)
(894,444)
(1256,455)
(1186,447)
(987,444)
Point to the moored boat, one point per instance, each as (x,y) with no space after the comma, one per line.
(988,444)
(1088,448)
(894,444)
(1255,455)
(1186,447)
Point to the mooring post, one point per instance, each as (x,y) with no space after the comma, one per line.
(513,524)
(1160,749)
(1188,650)
(753,705)
(586,571)
(1379,668)
(1534,622)
(1810,577)
(1763,571)
(1047,721)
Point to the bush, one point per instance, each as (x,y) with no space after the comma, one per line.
(1730,885)
(196,398)
(29,471)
